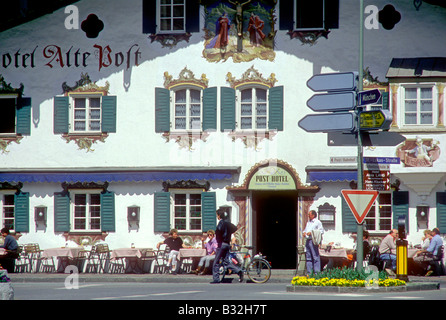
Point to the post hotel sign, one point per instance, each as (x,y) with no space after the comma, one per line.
(272,178)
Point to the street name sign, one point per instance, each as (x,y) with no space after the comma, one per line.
(386,160)
(337,101)
(360,202)
(341,81)
(375,119)
(368,97)
(327,122)
(369,139)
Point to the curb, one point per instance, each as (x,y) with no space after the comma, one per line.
(415,286)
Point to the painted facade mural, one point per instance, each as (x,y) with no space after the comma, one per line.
(419,152)
(241,30)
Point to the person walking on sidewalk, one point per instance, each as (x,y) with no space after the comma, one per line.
(313,233)
(223,236)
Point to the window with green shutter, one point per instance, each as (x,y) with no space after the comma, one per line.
(14,207)
(15,115)
(21,200)
(400,207)
(441,211)
(187,210)
(84,211)
(92,114)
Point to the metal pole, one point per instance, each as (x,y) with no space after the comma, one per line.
(359,228)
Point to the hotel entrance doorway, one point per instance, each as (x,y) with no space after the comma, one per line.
(275,226)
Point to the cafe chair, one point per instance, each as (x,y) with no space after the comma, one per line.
(46,265)
(116,265)
(104,257)
(22,262)
(434,263)
(79,261)
(31,252)
(161,259)
(92,264)
(147,260)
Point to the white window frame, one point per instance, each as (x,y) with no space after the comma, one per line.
(4,193)
(88,115)
(254,102)
(11,96)
(402,104)
(158,18)
(188,103)
(188,217)
(88,217)
(377,208)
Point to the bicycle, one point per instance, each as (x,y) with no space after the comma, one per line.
(257,268)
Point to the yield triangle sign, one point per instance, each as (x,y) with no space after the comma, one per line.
(360,202)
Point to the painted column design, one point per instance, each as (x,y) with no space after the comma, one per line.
(440,88)
(394,92)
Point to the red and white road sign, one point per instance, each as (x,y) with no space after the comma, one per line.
(360,202)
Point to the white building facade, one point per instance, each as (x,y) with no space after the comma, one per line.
(124,119)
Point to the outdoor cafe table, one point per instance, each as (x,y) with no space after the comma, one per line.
(63,255)
(193,254)
(132,257)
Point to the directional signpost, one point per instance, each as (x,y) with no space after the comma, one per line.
(345,118)
(340,96)
(374,120)
(368,97)
(328,122)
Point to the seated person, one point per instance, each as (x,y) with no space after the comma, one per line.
(211,248)
(386,247)
(366,248)
(175,243)
(7,261)
(428,255)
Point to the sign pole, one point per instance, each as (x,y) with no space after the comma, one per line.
(359,228)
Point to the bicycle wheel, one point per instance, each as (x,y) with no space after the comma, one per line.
(259,271)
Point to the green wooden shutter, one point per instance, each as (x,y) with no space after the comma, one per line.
(109,114)
(227,105)
(286,15)
(108,211)
(61,212)
(60,115)
(275,100)
(385,100)
(349,223)
(210,109)
(192,16)
(162,211)
(441,211)
(400,207)
(331,12)
(24,116)
(208,211)
(162,110)
(148,16)
(21,203)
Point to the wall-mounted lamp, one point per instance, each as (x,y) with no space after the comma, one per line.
(133,217)
(40,217)
(422,217)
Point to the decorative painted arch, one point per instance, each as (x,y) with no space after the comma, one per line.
(279,164)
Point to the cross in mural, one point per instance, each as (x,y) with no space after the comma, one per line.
(239,22)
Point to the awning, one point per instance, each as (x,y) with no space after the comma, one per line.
(120,176)
(331,174)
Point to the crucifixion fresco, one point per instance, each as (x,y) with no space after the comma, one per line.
(241,30)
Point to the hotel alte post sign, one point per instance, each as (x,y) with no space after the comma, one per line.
(272,178)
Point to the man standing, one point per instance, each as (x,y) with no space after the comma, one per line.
(313,233)
(223,236)
(386,247)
